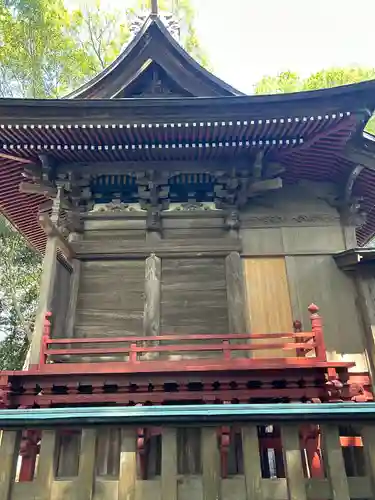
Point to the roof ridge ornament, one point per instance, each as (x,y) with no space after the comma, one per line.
(154,8)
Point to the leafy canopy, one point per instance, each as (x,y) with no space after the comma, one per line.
(288,81)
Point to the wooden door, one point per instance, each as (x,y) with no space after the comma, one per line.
(268,301)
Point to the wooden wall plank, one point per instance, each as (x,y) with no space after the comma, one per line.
(84,489)
(211,464)
(335,463)
(194,297)
(317,279)
(251,459)
(9,446)
(293,463)
(111,298)
(268,300)
(128,465)
(169,464)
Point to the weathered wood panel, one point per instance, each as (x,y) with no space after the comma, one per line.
(268,300)
(111,298)
(317,279)
(151,322)
(60,300)
(365,285)
(262,241)
(194,297)
(210,465)
(199,233)
(9,445)
(163,248)
(313,239)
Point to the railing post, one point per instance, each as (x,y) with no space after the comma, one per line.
(133,353)
(46,336)
(317,329)
(226,350)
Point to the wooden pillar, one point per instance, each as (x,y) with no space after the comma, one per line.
(151,321)
(47,283)
(73,297)
(235,293)
(45,298)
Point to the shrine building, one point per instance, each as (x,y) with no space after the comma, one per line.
(206,319)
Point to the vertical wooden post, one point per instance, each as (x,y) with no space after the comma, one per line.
(293,463)
(210,464)
(335,463)
(46,466)
(368,436)
(86,473)
(151,317)
(169,464)
(128,465)
(317,329)
(45,298)
(9,445)
(73,296)
(235,293)
(151,322)
(46,285)
(251,459)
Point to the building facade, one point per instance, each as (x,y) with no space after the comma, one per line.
(200,247)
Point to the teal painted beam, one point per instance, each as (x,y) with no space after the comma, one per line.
(194,414)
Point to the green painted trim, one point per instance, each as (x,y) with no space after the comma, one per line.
(195,414)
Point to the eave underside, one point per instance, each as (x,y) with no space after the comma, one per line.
(309,148)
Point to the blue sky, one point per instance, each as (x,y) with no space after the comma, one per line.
(247,39)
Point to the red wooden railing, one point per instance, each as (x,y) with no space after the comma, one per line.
(224,344)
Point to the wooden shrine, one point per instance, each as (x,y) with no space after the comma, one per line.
(188,233)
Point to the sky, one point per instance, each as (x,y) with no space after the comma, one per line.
(247,39)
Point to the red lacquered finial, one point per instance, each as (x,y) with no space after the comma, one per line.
(313,308)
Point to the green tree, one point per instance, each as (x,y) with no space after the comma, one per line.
(38,57)
(288,81)
(20,269)
(101,33)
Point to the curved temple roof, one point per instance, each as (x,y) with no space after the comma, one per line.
(154,53)
(156,104)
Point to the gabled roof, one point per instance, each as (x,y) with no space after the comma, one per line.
(154,51)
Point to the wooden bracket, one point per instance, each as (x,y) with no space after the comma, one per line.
(51,230)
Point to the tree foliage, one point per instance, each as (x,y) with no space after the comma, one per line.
(20,269)
(289,81)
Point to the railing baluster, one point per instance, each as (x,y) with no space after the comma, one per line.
(87,460)
(211,464)
(335,462)
(293,463)
(368,436)
(317,328)
(251,460)
(9,446)
(128,465)
(169,464)
(46,466)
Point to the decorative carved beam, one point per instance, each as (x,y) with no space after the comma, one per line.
(51,230)
(351,181)
(44,190)
(15,158)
